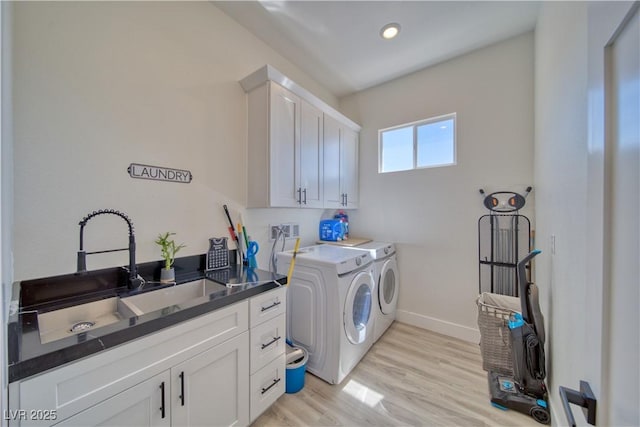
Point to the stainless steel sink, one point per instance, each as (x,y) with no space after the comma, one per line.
(65,322)
(171,296)
(58,324)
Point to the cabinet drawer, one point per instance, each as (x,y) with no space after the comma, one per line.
(267,385)
(267,305)
(267,342)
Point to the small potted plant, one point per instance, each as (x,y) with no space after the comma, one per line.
(169,249)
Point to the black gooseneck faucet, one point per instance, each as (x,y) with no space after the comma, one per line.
(134,280)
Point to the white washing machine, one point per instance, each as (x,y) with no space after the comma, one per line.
(387,284)
(330,307)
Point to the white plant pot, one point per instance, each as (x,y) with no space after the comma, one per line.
(167,276)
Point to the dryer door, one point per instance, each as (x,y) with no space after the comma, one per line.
(388,286)
(357,308)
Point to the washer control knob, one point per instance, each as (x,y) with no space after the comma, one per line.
(387,250)
(358,261)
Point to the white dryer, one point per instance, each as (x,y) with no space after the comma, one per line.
(330,307)
(387,284)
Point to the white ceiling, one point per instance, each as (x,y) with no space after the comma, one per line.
(338,42)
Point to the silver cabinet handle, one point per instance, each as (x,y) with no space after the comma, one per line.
(275,304)
(274,340)
(305,196)
(266,389)
(299,191)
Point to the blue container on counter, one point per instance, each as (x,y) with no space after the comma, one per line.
(331,230)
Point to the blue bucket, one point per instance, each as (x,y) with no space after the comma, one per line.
(295,372)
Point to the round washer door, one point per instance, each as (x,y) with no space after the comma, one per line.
(357,308)
(388,286)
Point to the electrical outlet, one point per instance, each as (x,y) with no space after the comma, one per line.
(274,231)
(289,230)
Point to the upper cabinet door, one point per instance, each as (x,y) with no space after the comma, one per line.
(284,141)
(349,167)
(333,196)
(340,165)
(311,157)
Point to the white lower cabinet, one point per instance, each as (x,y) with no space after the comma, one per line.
(145,404)
(201,372)
(211,388)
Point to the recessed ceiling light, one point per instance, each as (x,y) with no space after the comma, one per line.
(389,31)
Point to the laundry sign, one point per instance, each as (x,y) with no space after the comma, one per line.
(159,173)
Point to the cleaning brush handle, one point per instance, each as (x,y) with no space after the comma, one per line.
(293,260)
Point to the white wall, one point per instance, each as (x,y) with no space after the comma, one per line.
(432,214)
(99,85)
(561,185)
(571,160)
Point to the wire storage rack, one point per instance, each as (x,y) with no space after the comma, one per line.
(504,236)
(503,239)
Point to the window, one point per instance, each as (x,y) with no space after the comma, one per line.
(424,144)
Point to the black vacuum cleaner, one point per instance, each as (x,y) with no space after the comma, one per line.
(526,391)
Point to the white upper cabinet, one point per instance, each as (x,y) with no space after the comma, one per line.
(340,165)
(287,148)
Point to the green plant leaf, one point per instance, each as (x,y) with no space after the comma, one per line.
(168,248)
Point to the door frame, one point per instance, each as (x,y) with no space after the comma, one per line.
(603,22)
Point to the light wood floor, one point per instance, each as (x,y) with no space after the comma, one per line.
(409,377)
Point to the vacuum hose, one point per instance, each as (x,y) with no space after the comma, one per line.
(534,357)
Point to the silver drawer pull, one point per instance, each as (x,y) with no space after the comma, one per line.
(275,304)
(274,340)
(276,381)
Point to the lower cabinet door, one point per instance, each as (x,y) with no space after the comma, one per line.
(211,389)
(145,404)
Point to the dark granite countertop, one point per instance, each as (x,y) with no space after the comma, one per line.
(28,356)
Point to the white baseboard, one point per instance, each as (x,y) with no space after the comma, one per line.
(444,327)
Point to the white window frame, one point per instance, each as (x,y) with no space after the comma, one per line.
(415,126)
